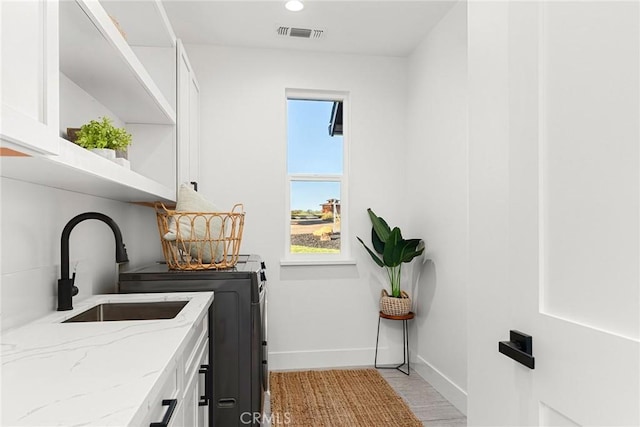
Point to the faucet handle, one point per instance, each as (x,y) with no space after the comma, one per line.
(121,254)
(74,288)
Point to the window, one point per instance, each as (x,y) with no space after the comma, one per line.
(316,172)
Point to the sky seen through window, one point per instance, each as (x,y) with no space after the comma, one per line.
(312,151)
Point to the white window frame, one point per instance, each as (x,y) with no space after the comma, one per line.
(344,257)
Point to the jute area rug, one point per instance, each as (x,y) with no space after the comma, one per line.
(337,398)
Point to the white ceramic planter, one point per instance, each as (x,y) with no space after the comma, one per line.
(123,162)
(107,153)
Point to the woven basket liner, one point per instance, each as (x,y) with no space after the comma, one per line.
(211,249)
(337,398)
(395,306)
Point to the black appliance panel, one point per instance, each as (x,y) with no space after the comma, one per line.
(237,330)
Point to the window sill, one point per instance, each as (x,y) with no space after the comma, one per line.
(315,262)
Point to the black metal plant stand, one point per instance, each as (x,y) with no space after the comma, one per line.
(405,338)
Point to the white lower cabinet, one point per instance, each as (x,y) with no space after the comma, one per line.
(183,399)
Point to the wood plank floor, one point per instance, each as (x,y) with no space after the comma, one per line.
(425,402)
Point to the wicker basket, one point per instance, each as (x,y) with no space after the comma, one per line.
(395,306)
(200,240)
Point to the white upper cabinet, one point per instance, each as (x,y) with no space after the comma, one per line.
(188,120)
(29,89)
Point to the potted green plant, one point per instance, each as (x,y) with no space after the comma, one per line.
(390,251)
(103,138)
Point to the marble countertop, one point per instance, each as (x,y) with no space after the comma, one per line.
(94,373)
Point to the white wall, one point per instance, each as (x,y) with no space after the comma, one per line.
(77,107)
(319,316)
(32,220)
(436,201)
(152,152)
(33,217)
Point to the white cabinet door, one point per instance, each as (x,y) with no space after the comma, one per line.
(191,402)
(553,211)
(188,120)
(194,128)
(202,409)
(29,89)
(177,419)
(195,414)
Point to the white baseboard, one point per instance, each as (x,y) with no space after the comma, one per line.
(447,388)
(343,357)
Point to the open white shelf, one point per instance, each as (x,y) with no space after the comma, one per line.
(97,58)
(79,170)
(156,31)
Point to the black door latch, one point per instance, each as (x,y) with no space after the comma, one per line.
(519,348)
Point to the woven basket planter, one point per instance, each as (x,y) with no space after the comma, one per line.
(395,306)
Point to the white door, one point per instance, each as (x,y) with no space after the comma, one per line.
(554,213)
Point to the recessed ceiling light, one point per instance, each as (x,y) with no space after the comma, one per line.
(294,5)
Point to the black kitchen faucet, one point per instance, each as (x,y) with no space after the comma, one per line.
(66,288)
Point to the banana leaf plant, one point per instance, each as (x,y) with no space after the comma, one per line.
(390,250)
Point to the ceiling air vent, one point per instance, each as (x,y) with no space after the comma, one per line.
(303,33)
